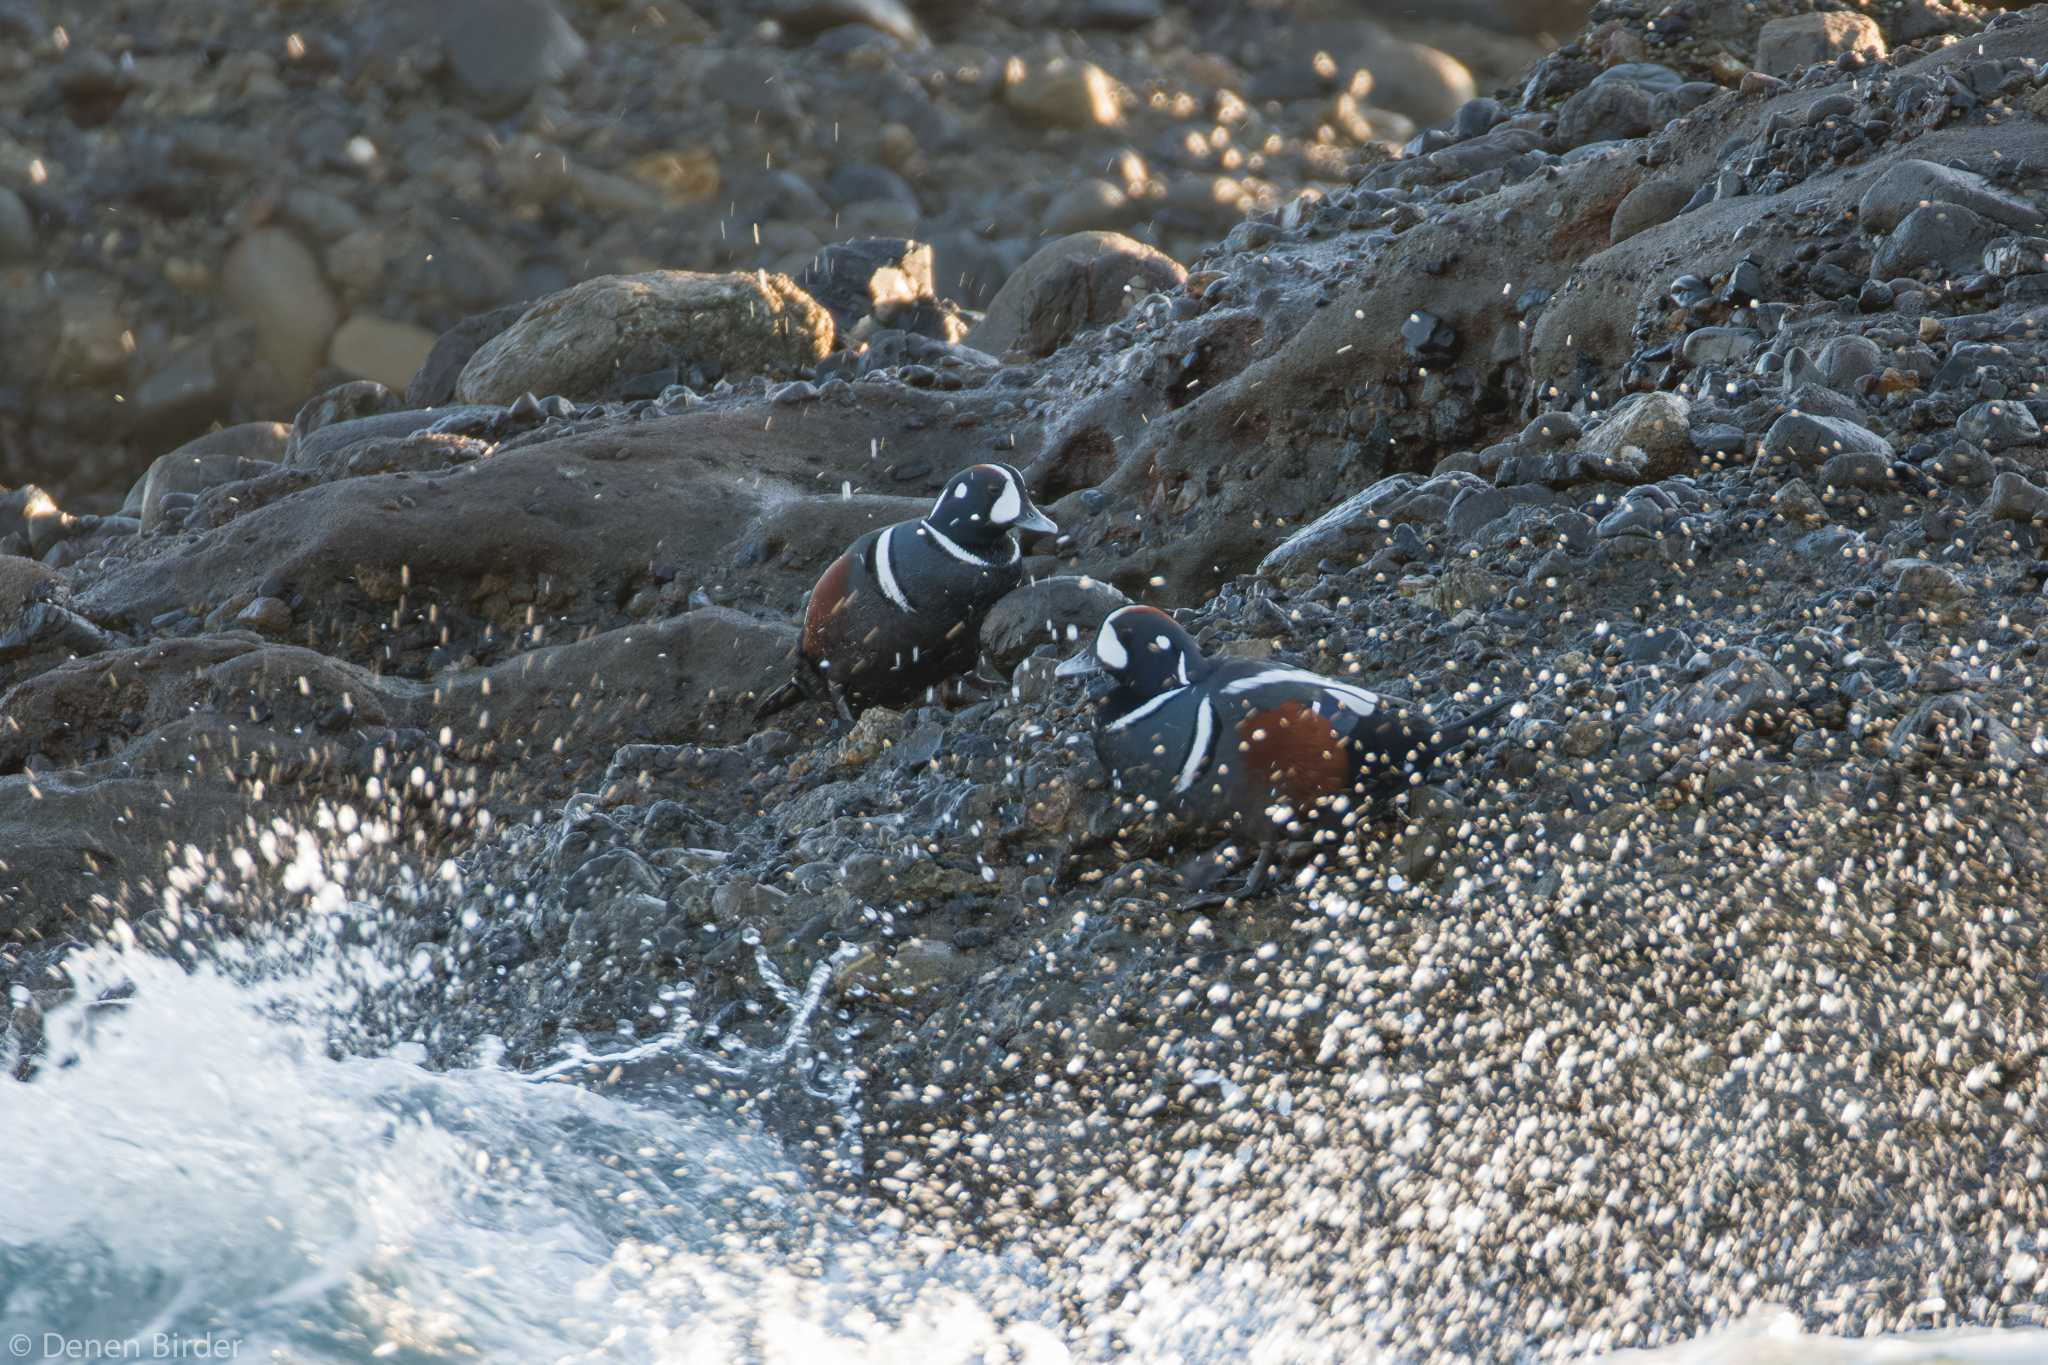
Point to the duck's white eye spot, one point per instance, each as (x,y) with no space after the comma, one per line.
(960,489)
(1109,649)
(1161,642)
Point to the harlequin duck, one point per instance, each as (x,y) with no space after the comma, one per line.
(1256,746)
(900,611)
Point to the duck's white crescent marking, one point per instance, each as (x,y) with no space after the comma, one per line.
(1125,722)
(1198,752)
(886,571)
(1355,699)
(1010,505)
(946,544)
(1109,649)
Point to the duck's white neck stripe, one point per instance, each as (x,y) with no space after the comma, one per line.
(946,544)
(886,571)
(1198,752)
(1124,722)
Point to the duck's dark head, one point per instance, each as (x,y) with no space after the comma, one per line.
(1143,651)
(985,502)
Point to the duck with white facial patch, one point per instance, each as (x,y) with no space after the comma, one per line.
(1266,750)
(900,612)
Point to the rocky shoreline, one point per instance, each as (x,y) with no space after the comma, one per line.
(1686,391)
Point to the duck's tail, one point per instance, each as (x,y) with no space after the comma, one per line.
(780,700)
(1454,735)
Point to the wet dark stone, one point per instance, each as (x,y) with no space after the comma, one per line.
(1428,339)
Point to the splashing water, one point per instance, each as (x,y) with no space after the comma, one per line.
(198,1161)
(196,1164)
(191,1163)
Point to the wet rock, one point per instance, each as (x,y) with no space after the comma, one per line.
(1093,204)
(1062,93)
(2010,257)
(1362,522)
(501,51)
(23,583)
(320,215)
(1551,431)
(1720,345)
(411,438)
(274,280)
(1604,111)
(193,468)
(1997,425)
(1811,440)
(807,18)
(1907,186)
(886,277)
(1846,359)
(1118,14)
(17,229)
(917,967)
(1857,469)
(860,183)
(1635,516)
(1795,501)
(1919,581)
(1747,691)
(1648,205)
(1063,611)
(1476,508)
(1821,401)
(753,87)
(1658,425)
(1962,465)
(179,399)
(434,383)
(1587,735)
(265,616)
(581,342)
(1425,83)
(1428,339)
(91,325)
(1946,725)
(259,442)
(378,348)
(47,627)
(1944,238)
(1785,46)
(1074,283)
(871,736)
(31,518)
(351,402)
(2016,498)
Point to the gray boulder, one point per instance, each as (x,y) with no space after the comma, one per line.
(1063,610)
(582,341)
(501,51)
(1909,185)
(1788,45)
(1945,238)
(1810,440)
(1074,283)
(1997,425)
